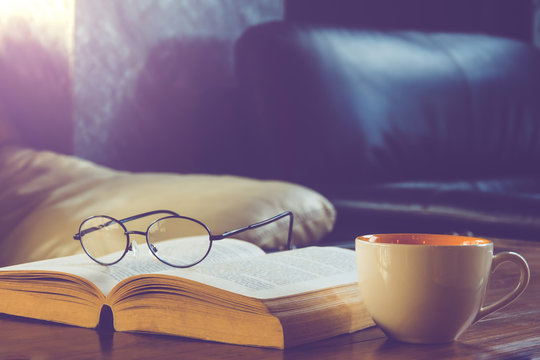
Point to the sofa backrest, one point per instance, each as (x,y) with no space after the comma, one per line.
(332,106)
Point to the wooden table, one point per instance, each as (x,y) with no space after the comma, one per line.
(510,333)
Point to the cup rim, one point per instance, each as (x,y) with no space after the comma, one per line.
(422,239)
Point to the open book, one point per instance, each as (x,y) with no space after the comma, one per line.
(238,294)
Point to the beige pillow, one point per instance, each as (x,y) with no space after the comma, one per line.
(44,197)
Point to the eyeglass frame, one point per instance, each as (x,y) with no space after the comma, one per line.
(212,237)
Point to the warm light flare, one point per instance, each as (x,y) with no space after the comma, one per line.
(48,10)
(37,18)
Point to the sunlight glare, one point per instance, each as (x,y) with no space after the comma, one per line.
(42,19)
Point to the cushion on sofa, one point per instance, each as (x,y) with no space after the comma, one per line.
(44,197)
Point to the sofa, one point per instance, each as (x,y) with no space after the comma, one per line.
(421,119)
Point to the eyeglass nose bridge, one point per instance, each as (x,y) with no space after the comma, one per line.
(142,233)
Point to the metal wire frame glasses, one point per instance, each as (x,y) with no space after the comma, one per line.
(106,240)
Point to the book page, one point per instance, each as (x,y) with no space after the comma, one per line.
(278,274)
(140,261)
(79,265)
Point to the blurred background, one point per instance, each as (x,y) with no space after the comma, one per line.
(139,84)
(122,83)
(209,86)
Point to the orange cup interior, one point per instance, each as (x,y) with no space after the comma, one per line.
(423,239)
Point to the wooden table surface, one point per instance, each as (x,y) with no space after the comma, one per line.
(510,333)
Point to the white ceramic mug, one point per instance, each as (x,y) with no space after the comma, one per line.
(424,288)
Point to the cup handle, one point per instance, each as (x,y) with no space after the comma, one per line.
(525,274)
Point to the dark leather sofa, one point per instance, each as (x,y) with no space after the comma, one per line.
(426,123)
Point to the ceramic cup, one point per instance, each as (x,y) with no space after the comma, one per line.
(423,288)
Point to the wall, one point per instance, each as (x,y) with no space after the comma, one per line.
(509,18)
(36,48)
(537,23)
(151,78)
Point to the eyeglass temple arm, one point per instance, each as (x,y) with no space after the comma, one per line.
(131,218)
(149,213)
(259,224)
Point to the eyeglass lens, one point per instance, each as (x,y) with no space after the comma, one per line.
(192,241)
(103,238)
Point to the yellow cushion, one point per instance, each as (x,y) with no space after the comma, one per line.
(44,197)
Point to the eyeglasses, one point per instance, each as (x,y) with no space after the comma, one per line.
(106,240)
